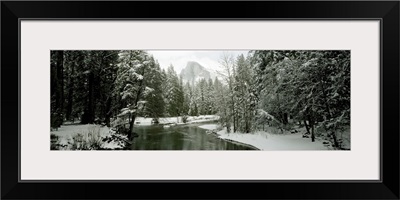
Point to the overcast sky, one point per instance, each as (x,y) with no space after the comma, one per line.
(208,59)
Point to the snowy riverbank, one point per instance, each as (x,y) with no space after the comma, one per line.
(267,141)
(66,133)
(142,121)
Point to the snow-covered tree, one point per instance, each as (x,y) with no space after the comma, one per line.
(228,65)
(311,86)
(155,105)
(130,83)
(244,92)
(174,95)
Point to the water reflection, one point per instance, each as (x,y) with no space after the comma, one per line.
(187,137)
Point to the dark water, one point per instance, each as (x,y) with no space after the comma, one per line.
(183,137)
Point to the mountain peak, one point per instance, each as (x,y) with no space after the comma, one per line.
(194,72)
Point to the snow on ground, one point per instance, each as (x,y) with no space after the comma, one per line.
(266,141)
(209,126)
(142,121)
(202,118)
(66,133)
(170,120)
(345,137)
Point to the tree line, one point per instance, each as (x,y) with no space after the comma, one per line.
(265,87)
(272,87)
(101,86)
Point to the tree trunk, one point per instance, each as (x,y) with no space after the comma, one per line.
(70,93)
(60,88)
(245,123)
(60,64)
(139,92)
(88,115)
(91,98)
(131,123)
(234,115)
(53,90)
(312,133)
(335,142)
(327,107)
(285,118)
(305,124)
(312,127)
(108,112)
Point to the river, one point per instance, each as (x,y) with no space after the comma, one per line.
(181,137)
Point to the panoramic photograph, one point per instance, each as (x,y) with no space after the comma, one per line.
(270,100)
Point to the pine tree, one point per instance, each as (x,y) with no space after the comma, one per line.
(174,93)
(155,105)
(244,95)
(57,88)
(131,83)
(307,84)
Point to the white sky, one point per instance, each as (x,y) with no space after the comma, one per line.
(179,59)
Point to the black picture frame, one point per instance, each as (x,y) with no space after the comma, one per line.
(386,11)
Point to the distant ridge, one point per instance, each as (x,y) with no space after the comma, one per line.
(194,72)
